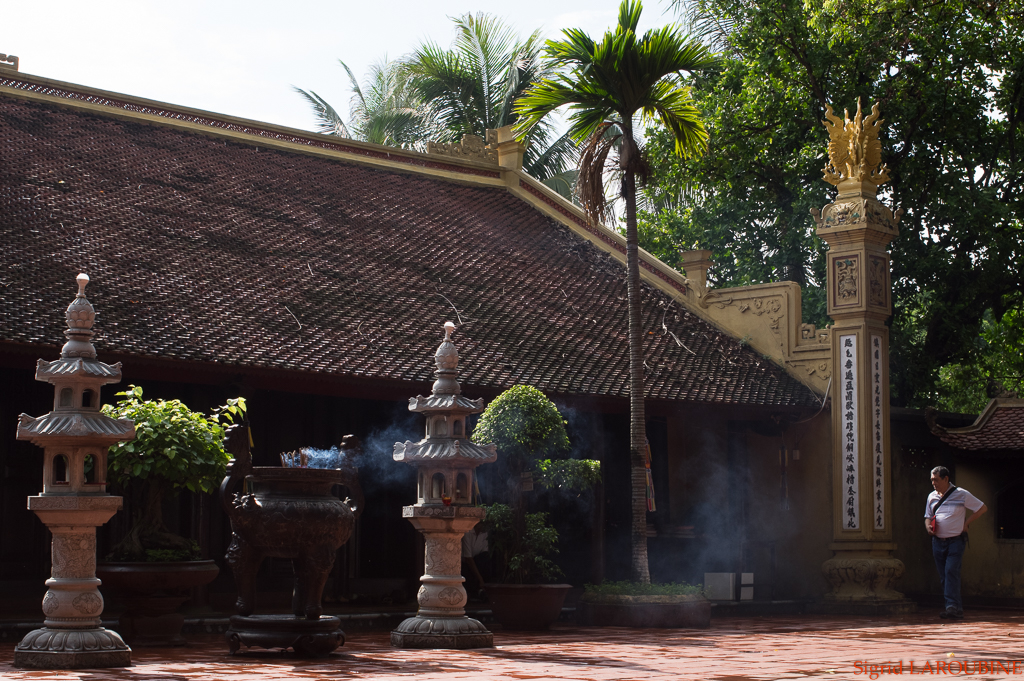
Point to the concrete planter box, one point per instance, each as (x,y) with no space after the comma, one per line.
(645,612)
(526,606)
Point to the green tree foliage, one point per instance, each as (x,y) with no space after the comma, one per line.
(471,87)
(440,94)
(530,435)
(525,425)
(595,591)
(996,368)
(949,78)
(531,439)
(610,86)
(174,448)
(383,110)
(521,556)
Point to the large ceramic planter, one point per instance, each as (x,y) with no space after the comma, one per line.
(526,606)
(647,612)
(152,593)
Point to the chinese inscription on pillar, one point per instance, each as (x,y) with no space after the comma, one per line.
(850,449)
(877,432)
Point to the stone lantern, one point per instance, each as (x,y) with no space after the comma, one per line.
(444,511)
(75,437)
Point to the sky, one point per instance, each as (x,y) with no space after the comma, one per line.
(242,58)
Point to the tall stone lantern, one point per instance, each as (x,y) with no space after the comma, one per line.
(74,502)
(444,511)
(858,228)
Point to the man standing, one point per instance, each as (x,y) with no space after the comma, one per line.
(945,519)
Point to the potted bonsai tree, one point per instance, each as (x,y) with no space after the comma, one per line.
(533,447)
(174,449)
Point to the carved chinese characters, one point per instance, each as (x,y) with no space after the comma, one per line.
(877,432)
(848,409)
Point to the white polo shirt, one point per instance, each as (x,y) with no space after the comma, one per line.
(949,519)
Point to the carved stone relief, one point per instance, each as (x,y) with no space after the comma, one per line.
(858,578)
(847,273)
(809,332)
(878,214)
(73,556)
(88,603)
(869,211)
(50,603)
(450,596)
(878,282)
(839,214)
(769,307)
(472,147)
(823,369)
(443,559)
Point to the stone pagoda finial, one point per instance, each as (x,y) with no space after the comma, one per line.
(81,316)
(854,151)
(447,360)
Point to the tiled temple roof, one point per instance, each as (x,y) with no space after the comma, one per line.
(998,429)
(215,250)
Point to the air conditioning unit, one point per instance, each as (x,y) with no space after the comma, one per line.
(720,586)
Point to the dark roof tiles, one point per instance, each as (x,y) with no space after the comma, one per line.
(213,251)
(999,428)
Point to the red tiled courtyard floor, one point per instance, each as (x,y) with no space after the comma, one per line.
(734,649)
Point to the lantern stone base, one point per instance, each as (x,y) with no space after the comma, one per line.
(48,648)
(308,638)
(447,633)
(863,580)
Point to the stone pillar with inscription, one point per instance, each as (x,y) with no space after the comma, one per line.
(858,228)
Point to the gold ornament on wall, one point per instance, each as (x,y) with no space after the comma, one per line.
(854,152)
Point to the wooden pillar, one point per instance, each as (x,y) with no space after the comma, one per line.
(858,229)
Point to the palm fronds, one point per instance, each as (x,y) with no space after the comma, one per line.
(329,121)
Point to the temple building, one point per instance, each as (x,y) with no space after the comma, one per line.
(307,272)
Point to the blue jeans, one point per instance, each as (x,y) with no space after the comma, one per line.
(949,554)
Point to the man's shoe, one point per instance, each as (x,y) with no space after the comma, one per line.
(958,615)
(949,614)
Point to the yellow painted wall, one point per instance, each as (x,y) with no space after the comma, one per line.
(992,568)
(802,533)
(700,476)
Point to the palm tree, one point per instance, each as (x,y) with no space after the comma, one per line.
(438,94)
(384,110)
(472,86)
(702,21)
(610,87)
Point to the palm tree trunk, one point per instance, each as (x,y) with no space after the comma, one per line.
(637,419)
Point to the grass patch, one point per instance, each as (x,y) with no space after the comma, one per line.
(638,589)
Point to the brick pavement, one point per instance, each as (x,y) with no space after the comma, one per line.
(734,649)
